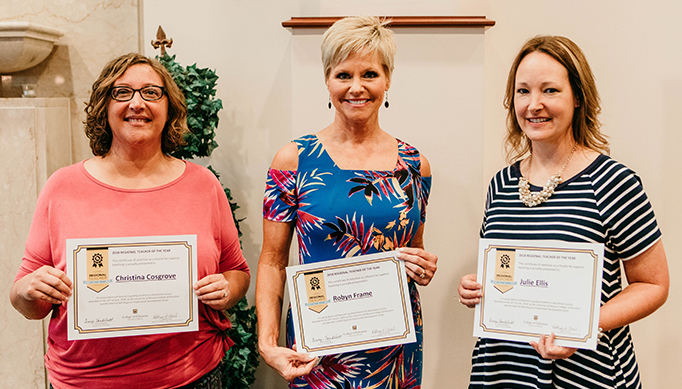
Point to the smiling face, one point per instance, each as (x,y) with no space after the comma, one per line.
(543,99)
(137,122)
(357,86)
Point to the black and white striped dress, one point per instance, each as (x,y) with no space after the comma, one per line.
(604,204)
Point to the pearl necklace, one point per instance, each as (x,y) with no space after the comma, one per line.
(531,199)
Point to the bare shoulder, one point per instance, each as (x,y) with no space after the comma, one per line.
(286,158)
(425,166)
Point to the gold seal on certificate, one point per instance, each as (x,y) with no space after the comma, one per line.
(131,286)
(97,268)
(350,304)
(532,287)
(504,269)
(316,291)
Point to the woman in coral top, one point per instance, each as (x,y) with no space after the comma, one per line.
(132,187)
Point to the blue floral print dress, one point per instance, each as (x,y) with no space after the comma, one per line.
(343,213)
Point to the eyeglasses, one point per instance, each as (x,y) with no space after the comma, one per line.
(126,93)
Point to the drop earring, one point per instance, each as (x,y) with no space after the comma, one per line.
(329,104)
(386,100)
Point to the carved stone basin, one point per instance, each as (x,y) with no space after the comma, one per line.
(24,45)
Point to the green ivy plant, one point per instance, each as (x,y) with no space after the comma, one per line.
(199,88)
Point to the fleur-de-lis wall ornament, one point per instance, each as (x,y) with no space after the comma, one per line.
(161,41)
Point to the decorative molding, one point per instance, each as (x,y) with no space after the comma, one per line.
(398,21)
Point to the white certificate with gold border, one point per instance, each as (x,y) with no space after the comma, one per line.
(131,286)
(536,287)
(350,304)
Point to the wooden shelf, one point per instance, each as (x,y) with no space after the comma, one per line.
(398,21)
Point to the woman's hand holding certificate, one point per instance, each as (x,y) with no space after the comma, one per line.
(132,286)
(536,288)
(351,304)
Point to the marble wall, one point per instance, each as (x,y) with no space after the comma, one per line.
(35,140)
(95,31)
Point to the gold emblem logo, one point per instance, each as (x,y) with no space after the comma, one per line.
(316,291)
(504,269)
(98,268)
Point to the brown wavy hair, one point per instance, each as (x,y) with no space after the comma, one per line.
(97,126)
(586,125)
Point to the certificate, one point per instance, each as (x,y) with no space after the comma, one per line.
(350,304)
(131,286)
(531,288)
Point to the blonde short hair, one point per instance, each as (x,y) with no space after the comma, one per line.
(586,125)
(358,34)
(97,127)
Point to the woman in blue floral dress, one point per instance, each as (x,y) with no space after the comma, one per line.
(350,189)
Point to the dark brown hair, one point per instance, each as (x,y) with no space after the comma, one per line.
(97,126)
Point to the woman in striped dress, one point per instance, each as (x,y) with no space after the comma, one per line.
(553,105)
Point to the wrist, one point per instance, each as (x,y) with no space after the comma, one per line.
(265,347)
